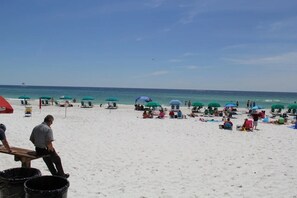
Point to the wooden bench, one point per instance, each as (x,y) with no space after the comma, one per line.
(21,154)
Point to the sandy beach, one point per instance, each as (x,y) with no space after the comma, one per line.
(116,153)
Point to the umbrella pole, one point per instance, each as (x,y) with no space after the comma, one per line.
(65,111)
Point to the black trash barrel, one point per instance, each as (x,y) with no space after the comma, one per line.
(46,187)
(12,181)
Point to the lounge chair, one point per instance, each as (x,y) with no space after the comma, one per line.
(82,104)
(90,104)
(28,111)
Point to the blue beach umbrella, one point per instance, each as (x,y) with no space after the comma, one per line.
(175,102)
(257,107)
(230,105)
(143,99)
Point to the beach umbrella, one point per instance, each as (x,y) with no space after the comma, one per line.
(230,105)
(153,104)
(143,99)
(292,106)
(24,97)
(45,97)
(257,107)
(277,106)
(66,97)
(5,107)
(214,104)
(111,99)
(88,98)
(197,104)
(175,102)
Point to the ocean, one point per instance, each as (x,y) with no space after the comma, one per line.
(162,96)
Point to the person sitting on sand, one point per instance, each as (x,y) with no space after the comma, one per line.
(192,114)
(171,114)
(227,124)
(145,115)
(179,114)
(247,126)
(161,114)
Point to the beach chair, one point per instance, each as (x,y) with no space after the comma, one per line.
(90,104)
(205,112)
(249,125)
(82,104)
(28,111)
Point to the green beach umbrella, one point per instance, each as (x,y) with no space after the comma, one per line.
(111,99)
(24,97)
(214,104)
(66,97)
(45,97)
(292,106)
(153,104)
(88,98)
(277,106)
(197,104)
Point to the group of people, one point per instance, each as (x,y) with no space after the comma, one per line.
(42,138)
(161,114)
(138,107)
(178,114)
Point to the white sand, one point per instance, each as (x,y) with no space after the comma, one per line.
(116,153)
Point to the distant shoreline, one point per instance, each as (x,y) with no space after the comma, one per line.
(139,88)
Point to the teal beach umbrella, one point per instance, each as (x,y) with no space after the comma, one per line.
(197,104)
(277,106)
(153,104)
(66,97)
(214,104)
(292,106)
(111,99)
(24,97)
(45,97)
(88,98)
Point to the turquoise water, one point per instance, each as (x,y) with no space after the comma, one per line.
(163,96)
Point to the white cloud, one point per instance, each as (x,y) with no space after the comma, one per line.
(159,73)
(289,58)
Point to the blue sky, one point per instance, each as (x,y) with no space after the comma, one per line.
(184,44)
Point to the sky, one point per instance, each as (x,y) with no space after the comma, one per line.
(248,45)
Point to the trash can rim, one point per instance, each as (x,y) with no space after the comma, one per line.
(62,189)
(18,180)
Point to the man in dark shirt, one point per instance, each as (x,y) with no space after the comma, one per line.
(255,116)
(42,138)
